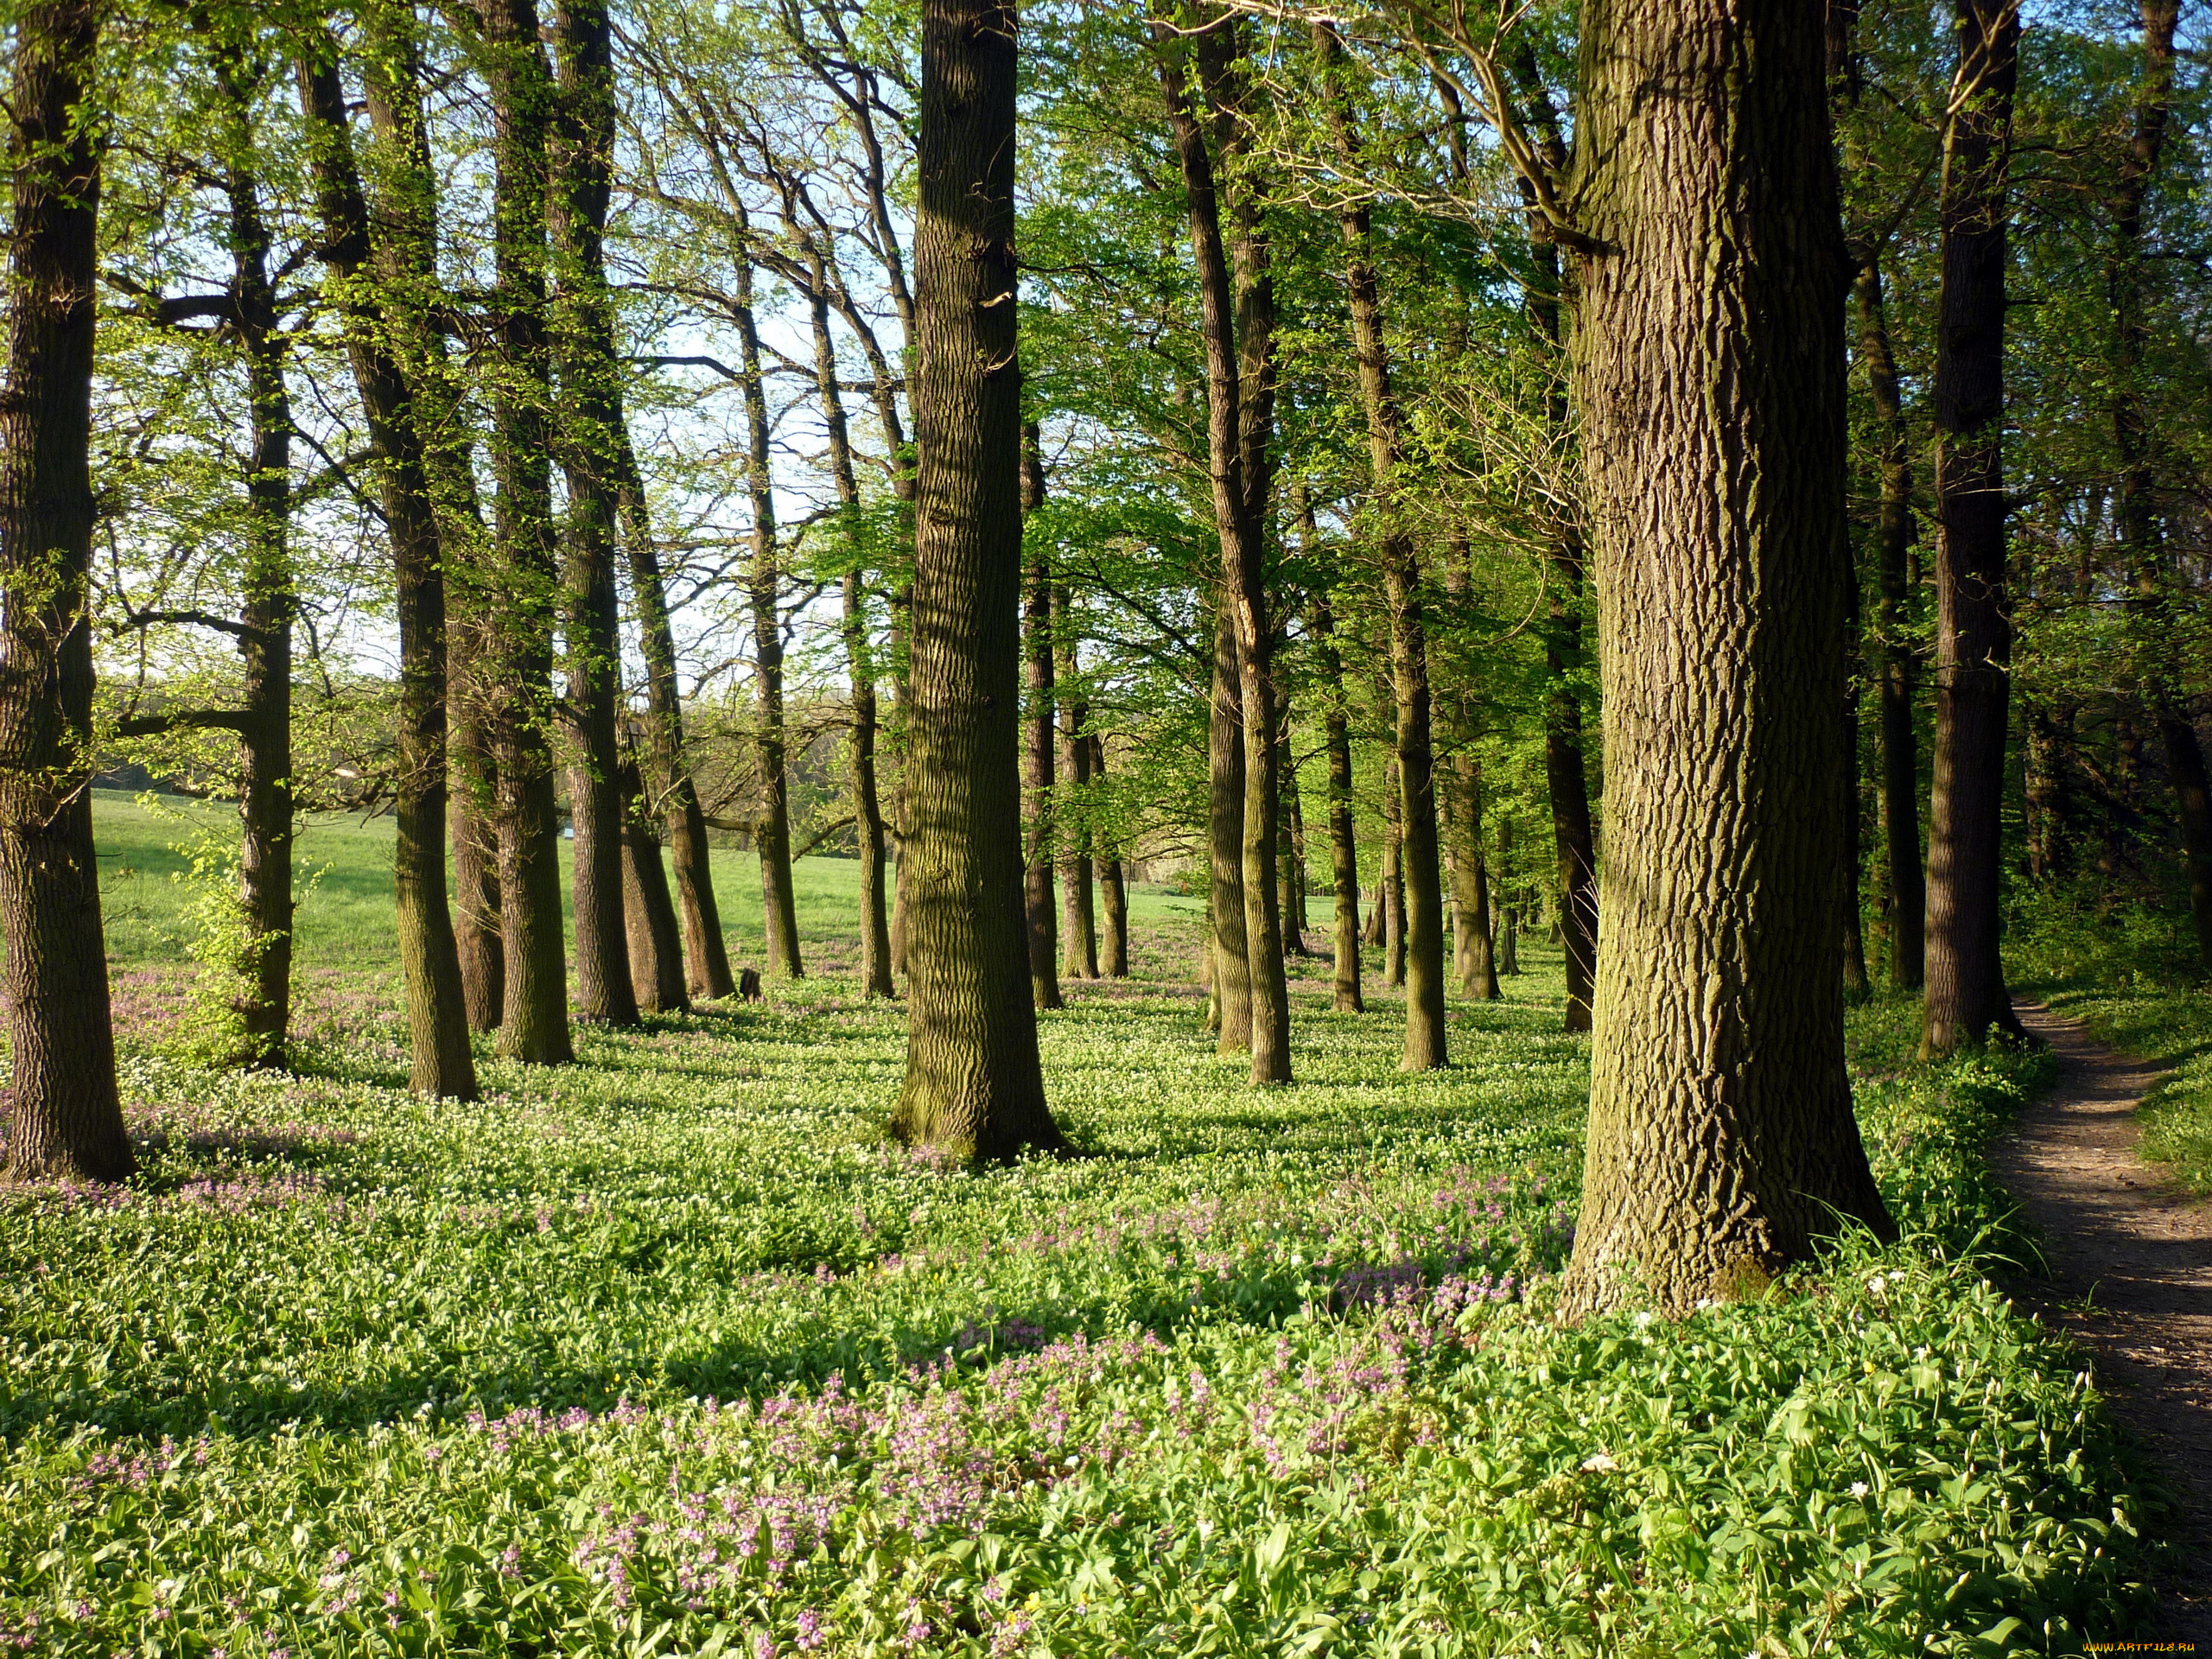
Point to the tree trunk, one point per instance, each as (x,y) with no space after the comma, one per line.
(1965,992)
(974,1087)
(1857,988)
(1079,916)
(1419,870)
(765,589)
(1899,663)
(518,669)
(1344,844)
(1226,794)
(2139,523)
(1113,895)
(440,1062)
(1391,887)
(591,417)
(655,949)
(1037,755)
(265,611)
(65,1119)
(409,295)
(1721,1140)
(706,953)
(1290,851)
(859,659)
(1236,318)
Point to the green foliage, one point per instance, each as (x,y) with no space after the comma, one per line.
(670,1352)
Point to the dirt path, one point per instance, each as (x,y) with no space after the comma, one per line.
(2131,1267)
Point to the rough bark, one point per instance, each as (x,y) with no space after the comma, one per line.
(1709,374)
(1036,770)
(1964,994)
(438,1016)
(1425,1046)
(518,667)
(706,953)
(65,1121)
(974,1087)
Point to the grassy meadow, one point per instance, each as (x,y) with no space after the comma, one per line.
(670,1352)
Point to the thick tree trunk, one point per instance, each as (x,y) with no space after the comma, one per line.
(1113,893)
(517,671)
(974,1087)
(655,945)
(591,453)
(765,591)
(1226,794)
(1966,994)
(65,1121)
(1709,373)
(440,1062)
(1344,844)
(706,953)
(1237,324)
(1418,860)
(1037,779)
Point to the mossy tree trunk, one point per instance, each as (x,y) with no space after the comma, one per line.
(440,1063)
(1709,373)
(590,420)
(409,295)
(65,1119)
(518,670)
(973,1086)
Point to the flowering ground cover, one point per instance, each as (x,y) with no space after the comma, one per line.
(670,1353)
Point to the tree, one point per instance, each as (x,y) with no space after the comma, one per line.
(440,1063)
(65,1119)
(973,1086)
(1965,993)
(1037,749)
(581,155)
(534,1022)
(1238,320)
(1709,355)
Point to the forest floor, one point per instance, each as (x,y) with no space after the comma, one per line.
(2129,1274)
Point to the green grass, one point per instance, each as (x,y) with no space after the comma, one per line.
(344,869)
(670,1352)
